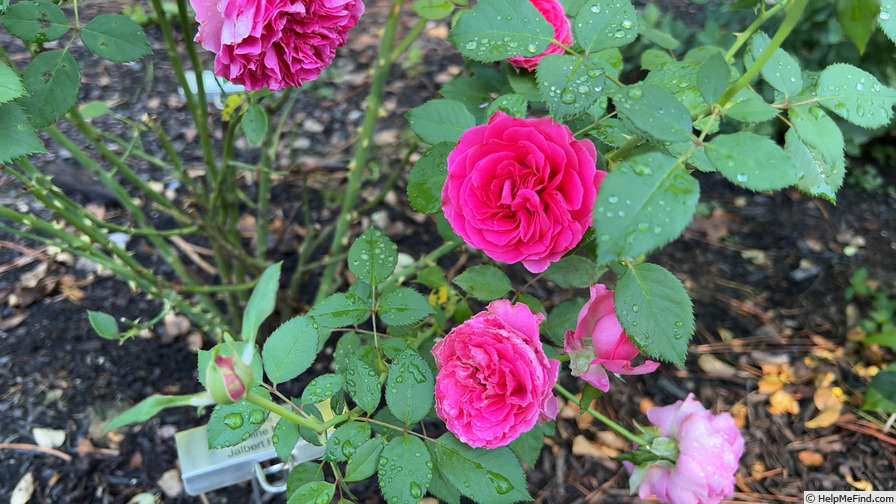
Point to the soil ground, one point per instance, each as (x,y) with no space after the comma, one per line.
(767,273)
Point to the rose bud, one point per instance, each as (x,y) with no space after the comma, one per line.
(227,377)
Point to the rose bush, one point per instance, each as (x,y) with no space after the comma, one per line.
(552,10)
(709,447)
(598,344)
(494,381)
(276,43)
(521,190)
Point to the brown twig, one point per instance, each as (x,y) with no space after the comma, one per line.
(32,447)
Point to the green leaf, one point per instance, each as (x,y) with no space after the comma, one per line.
(147,408)
(886,338)
(561,319)
(345,440)
(751,161)
(816,145)
(484,282)
(782,72)
(855,95)
(307,433)
(858,19)
(493,30)
(255,124)
(231,424)
(339,310)
(494,476)
(644,203)
(403,470)
(573,272)
(881,394)
(652,58)
(513,104)
(569,83)
(440,487)
(104,324)
(316,492)
(261,303)
(409,387)
(35,21)
(680,79)
(600,24)
(403,306)
(364,461)
(748,106)
(116,38)
(438,121)
(655,312)
(290,349)
(286,435)
(528,446)
(713,77)
(363,385)
(10,85)
(94,109)
(372,257)
(658,37)
(303,473)
(427,178)
(886,20)
(654,112)
(433,9)
(52,80)
(321,388)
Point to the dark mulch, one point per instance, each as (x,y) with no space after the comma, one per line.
(767,274)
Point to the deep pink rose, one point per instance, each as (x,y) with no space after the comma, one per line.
(709,448)
(274,43)
(599,344)
(494,381)
(552,10)
(521,189)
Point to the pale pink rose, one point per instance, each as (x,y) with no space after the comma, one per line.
(709,448)
(494,381)
(521,190)
(598,344)
(552,10)
(274,43)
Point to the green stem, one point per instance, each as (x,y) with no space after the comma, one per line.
(794,13)
(634,438)
(292,416)
(264,177)
(356,167)
(746,34)
(424,261)
(625,149)
(408,39)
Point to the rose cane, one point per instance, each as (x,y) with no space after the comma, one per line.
(552,10)
(521,190)
(598,344)
(494,381)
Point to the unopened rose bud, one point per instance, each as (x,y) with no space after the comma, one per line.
(227,378)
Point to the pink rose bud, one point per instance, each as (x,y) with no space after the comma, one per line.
(494,381)
(599,344)
(709,448)
(552,10)
(227,378)
(521,190)
(275,43)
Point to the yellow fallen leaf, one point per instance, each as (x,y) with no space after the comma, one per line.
(827,417)
(863,485)
(582,446)
(769,384)
(716,368)
(739,413)
(782,402)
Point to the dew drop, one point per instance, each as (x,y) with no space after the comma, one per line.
(502,484)
(635,93)
(596,9)
(627,24)
(679,323)
(884,15)
(860,87)
(605,238)
(472,45)
(643,227)
(613,199)
(741,177)
(635,308)
(256,416)
(416,491)
(567,96)
(233,420)
(619,34)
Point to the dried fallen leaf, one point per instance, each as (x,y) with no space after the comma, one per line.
(645,405)
(582,446)
(23,490)
(769,384)
(810,458)
(861,484)
(782,402)
(739,413)
(170,483)
(827,396)
(143,498)
(715,367)
(827,417)
(48,438)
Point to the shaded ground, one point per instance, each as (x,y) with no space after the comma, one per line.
(767,273)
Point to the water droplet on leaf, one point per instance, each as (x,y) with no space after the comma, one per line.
(233,420)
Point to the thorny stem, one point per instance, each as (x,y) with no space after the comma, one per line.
(603,418)
(746,34)
(292,416)
(356,166)
(794,13)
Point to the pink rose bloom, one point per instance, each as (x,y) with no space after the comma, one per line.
(552,10)
(274,43)
(494,381)
(521,189)
(709,448)
(599,344)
